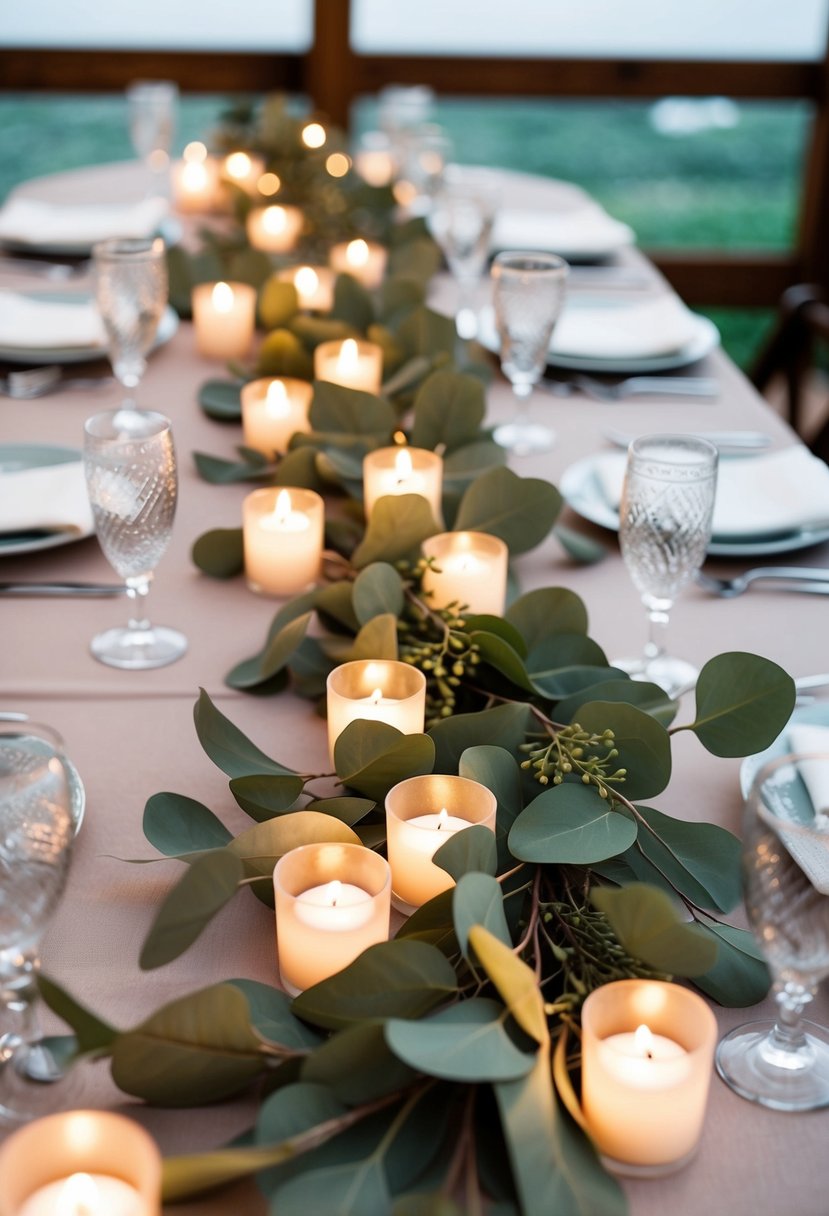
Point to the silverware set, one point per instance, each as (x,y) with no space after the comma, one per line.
(790,578)
(33,382)
(744,442)
(699,387)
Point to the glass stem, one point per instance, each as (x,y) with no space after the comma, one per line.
(138,588)
(658,617)
(788,1035)
(523,392)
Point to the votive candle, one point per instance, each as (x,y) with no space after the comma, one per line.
(470,570)
(332,903)
(647,1051)
(224,317)
(376,690)
(352,362)
(422,813)
(364,260)
(274,409)
(243,169)
(82,1161)
(282,536)
(314,286)
(274,229)
(403,470)
(195,180)
(374,159)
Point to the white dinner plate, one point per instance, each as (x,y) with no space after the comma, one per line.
(705,338)
(169,229)
(811,715)
(31,356)
(581,488)
(17,456)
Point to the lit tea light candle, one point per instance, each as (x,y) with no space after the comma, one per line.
(224,316)
(365,260)
(422,813)
(195,180)
(376,691)
(314,286)
(81,1163)
(352,363)
(647,1049)
(374,160)
(274,229)
(470,570)
(403,470)
(273,410)
(282,538)
(314,135)
(243,169)
(332,903)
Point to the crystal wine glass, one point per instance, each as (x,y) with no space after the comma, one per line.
(461,221)
(131,293)
(528,293)
(785,1064)
(151,112)
(131,479)
(36,832)
(664,530)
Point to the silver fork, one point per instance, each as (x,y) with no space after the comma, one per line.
(799,578)
(55,272)
(40,381)
(700,387)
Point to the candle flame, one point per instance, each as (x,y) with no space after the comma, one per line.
(356,253)
(238,165)
(282,508)
(377,696)
(333,893)
(276,400)
(306,280)
(347,361)
(194,175)
(403,465)
(643,1042)
(195,152)
(313,135)
(274,219)
(223,297)
(79,1196)
(442,817)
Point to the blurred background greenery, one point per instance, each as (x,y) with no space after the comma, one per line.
(684,174)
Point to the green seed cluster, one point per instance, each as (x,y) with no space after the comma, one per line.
(435,641)
(573,750)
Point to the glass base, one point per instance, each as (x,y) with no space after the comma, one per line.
(750,1064)
(524,439)
(625,1169)
(32,1082)
(138,649)
(675,676)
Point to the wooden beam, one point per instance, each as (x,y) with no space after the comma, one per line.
(729,280)
(813,241)
(329,67)
(97,71)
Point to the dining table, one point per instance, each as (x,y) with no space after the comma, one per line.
(131,733)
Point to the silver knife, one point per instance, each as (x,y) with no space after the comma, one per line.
(54,589)
(724,441)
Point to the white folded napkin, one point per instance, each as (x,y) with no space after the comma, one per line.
(758,496)
(587,231)
(811,852)
(50,498)
(602,329)
(26,321)
(39,223)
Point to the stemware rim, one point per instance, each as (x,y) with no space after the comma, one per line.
(27,728)
(129,249)
(533,261)
(154,423)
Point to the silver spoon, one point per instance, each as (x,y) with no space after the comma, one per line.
(798,578)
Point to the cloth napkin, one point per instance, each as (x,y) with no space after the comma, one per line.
(585,232)
(599,329)
(29,322)
(759,496)
(811,852)
(38,223)
(51,498)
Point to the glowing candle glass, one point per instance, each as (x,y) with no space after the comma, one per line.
(224,316)
(470,570)
(374,160)
(243,169)
(283,536)
(376,690)
(403,470)
(314,286)
(352,363)
(364,260)
(332,903)
(422,813)
(644,1090)
(82,1163)
(195,180)
(274,229)
(273,410)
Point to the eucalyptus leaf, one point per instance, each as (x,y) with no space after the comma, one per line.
(648,697)
(471,850)
(220,472)
(271,1016)
(419,260)
(505,725)
(377,589)
(464,1042)
(740,976)
(336,1190)
(228,748)
(336,601)
(487,622)
(647,924)
(569,824)
(260,847)
(222,400)
(175,824)
(197,1049)
(203,890)
(548,611)
(432,923)
(520,510)
(377,639)
(278,302)
(743,703)
(477,899)
(352,303)
(403,979)
(220,552)
(499,654)
(398,526)
(283,354)
(462,465)
(251,266)
(371,757)
(357,1066)
(92,1033)
(269,662)
(495,768)
(192,1174)
(349,411)
(298,467)
(702,860)
(643,744)
(516,982)
(448,410)
(561,663)
(312,331)
(266,795)
(349,810)
(581,548)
